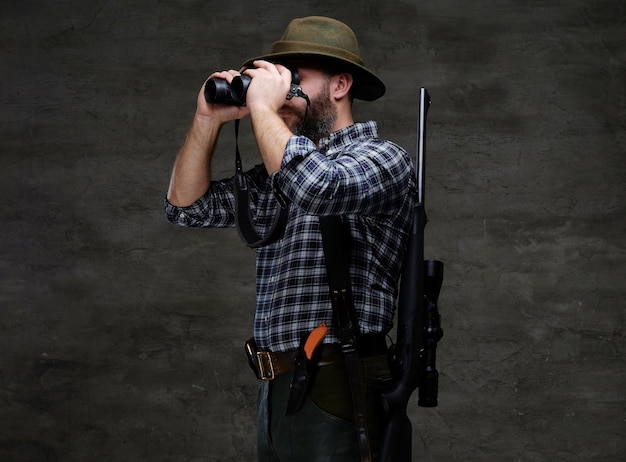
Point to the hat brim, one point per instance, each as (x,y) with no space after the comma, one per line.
(367,86)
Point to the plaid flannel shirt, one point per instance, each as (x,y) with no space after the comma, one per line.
(353,173)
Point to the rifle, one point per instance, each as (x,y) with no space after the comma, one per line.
(418,324)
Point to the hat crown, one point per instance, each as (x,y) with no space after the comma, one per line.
(317,32)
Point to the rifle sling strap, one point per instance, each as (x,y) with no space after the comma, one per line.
(336,243)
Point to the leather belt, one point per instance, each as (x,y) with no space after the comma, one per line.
(266,365)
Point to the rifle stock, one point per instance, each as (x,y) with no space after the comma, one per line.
(418,329)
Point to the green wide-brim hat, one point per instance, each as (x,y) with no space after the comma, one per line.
(326,40)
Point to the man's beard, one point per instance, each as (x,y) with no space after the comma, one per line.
(319,119)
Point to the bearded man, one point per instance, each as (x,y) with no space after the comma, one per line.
(316,162)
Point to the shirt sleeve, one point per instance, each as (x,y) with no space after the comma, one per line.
(368,177)
(297,148)
(215,209)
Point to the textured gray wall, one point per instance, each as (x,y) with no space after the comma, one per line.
(121,335)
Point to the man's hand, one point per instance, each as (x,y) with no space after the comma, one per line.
(269,86)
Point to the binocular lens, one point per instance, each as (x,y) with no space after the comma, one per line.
(216,90)
(239,88)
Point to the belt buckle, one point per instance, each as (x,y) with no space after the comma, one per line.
(266,367)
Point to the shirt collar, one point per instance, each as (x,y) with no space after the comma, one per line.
(345,136)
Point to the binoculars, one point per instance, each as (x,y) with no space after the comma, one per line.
(219,91)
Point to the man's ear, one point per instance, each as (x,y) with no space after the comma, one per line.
(341,85)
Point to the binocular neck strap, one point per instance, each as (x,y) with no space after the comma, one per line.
(243,214)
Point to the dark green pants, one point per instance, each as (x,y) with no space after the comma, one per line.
(323,430)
